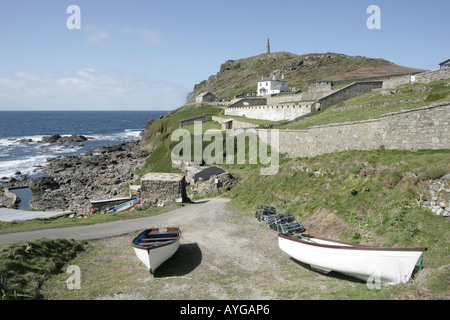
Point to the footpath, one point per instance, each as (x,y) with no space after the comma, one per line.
(117,228)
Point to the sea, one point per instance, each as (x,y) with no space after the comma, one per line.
(104,127)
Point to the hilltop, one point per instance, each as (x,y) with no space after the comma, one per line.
(242,75)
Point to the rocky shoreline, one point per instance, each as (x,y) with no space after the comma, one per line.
(71,182)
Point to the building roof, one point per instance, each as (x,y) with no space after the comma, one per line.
(445,62)
(160,176)
(204,94)
(207,173)
(272,78)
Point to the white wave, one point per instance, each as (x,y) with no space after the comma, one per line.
(14,141)
(25,166)
(127,134)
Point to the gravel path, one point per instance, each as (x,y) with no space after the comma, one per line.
(223,254)
(104,230)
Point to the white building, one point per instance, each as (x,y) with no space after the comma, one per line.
(272,85)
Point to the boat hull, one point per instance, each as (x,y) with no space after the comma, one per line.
(152,253)
(381,265)
(124,207)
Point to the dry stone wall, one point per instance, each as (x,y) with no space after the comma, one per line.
(421,128)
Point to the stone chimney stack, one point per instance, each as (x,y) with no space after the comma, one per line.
(268,46)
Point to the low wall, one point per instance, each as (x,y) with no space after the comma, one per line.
(421,128)
(271,112)
(237,124)
(248,102)
(297,97)
(350,91)
(423,77)
(203,118)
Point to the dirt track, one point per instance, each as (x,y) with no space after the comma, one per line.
(220,250)
(223,255)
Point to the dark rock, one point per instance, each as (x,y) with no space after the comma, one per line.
(98,174)
(50,139)
(57,138)
(23,141)
(44,183)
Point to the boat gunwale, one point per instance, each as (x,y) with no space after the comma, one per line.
(169,230)
(348,245)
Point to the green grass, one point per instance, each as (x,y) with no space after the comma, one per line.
(64,222)
(158,137)
(26,265)
(374,192)
(372,105)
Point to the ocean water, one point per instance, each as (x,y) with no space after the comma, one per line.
(105,127)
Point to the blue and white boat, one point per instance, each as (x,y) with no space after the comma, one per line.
(156,245)
(127,206)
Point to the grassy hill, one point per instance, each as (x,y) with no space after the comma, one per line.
(373,104)
(238,76)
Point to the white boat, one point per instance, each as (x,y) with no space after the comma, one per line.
(154,246)
(123,207)
(378,264)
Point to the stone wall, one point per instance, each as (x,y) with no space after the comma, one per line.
(305,96)
(421,128)
(237,124)
(430,76)
(271,112)
(248,102)
(163,187)
(203,118)
(350,91)
(423,77)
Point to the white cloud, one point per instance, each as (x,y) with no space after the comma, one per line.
(96,36)
(88,89)
(148,36)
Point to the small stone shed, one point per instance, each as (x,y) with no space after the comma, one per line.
(210,180)
(163,187)
(206,97)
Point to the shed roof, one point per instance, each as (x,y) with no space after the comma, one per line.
(207,173)
(161,176)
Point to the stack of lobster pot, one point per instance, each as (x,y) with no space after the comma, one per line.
(291,228)
(265,212)
(279,219)
(282,222)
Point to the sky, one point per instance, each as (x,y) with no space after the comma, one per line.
(148,55)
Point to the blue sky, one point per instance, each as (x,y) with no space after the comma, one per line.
(147,55)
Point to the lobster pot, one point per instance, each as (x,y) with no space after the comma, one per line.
(264,212)
(291,228)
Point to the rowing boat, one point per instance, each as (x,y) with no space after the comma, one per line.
(156,245)
(123,207)
(383,264)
